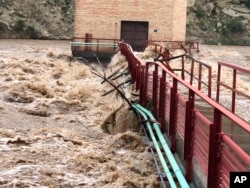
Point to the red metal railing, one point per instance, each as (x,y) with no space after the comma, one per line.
(200,77)
(198,72)
(185,45)
(198,139)
(233,88)
(160,51)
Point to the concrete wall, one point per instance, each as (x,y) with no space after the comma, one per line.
(103,18)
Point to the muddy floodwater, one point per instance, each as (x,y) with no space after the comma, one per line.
(53,119)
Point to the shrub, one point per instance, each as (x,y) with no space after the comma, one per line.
(235,26)
(2,28)
(247,3)
(19,25)
(203,26)
(65,6)
(224,31)
(31,32)
(67,2)
(200,13)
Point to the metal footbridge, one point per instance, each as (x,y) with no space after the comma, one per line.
(194,139)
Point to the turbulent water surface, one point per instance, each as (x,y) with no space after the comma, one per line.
(56,128)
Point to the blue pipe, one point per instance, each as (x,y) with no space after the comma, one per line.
(152,153)
(158,150)
(181,179)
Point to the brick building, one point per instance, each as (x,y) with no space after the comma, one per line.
(134,21)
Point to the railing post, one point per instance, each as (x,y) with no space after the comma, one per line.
(155,90)
(145,89)
(138,76)
(142,87)
(90,41)
(198,49)
(214,153)
(87,41)
(209,82)
(233,91)
(189,135)
(192,73)
(162,101)
(218,83)
(173,115)
(182,68)
(114,45)
(200,75)
(134,65)
(130,62)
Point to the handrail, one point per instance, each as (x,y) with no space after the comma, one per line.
(237,149)
(211,102)
(233,89)
(91,44)
(147,115)
(164,97)
(166,60)
(92,38)
(198,78)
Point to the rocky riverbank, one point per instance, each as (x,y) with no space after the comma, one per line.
(210,22)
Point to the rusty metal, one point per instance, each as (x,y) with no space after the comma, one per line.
(184,58)
(187,46)
(161,51)
(86,46)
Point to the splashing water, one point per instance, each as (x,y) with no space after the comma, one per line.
(53,117)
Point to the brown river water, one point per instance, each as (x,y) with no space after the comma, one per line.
(53,119)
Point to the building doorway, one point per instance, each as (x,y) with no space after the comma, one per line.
(135,34)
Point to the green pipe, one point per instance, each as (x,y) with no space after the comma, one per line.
(181,179)
(158,150)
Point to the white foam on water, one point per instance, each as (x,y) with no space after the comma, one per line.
(62,143)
